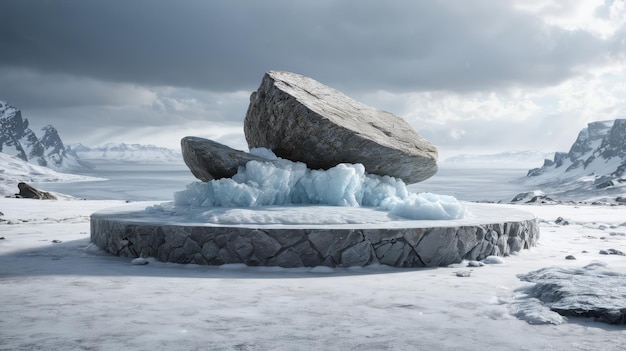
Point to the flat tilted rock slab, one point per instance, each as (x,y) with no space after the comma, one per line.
(208,160)
(130,231)
(303,120)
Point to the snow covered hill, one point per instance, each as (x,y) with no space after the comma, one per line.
(17,139)
(14,170)
(127,153)
(596,163)
(508,159)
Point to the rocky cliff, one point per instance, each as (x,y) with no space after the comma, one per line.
(598,155)
(17,139)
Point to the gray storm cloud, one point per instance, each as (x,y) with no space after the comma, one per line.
(226,45)
(155,70)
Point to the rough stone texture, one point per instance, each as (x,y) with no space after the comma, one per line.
(209,160)
(303,120)
(296,247)
(591,291)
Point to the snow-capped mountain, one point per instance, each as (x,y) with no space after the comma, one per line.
(509,159)
(127,153)
(17,139)
(598,152)
(596,161)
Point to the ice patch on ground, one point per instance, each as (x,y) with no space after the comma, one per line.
(283,182)
(591,291)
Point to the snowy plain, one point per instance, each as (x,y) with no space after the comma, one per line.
(69,295)
(60,292)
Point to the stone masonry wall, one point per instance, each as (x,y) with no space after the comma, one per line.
(410,247)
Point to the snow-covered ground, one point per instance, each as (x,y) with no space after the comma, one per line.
(14,170)
(59,292)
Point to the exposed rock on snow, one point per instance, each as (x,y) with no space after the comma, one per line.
(303,120)
(29,192)
(561,221)
(612,252)
(17,139)
(209,160)
(592,291)
(530,196)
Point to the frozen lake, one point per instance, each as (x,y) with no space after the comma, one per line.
(127,181)
(475,184)
(147,182)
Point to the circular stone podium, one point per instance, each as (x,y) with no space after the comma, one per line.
(226,235)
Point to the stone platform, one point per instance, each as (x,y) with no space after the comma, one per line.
(220,236)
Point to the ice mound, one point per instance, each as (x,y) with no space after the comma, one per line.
(283,182)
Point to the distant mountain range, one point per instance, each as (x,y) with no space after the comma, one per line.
(17,139)
(126,153)
(508,159)
(595,163)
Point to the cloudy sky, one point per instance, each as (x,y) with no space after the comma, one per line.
(479,76)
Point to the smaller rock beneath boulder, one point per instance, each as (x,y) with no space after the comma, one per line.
(570,257)
(463,274)
(210,160)
(579,292)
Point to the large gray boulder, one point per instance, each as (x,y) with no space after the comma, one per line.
(209,160)
(303,120)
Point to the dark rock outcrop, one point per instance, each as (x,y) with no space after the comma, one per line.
(580,292)
(28,192)
(303,120)
(209,160)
